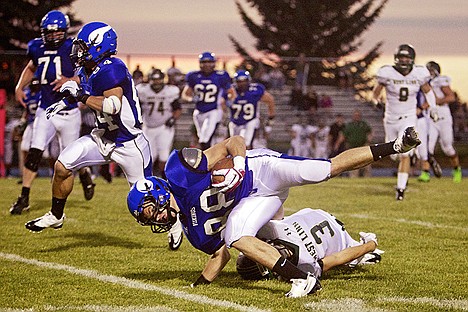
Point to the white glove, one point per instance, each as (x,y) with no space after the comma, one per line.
(55,108)
(70,86)
(232,176)
(196,98)
(368,237)
(434,115)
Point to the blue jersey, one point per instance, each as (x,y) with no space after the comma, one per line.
(51,65)
(210,88)
(420,98)
(32,103)
(203,209)
(245,106)
(111,73)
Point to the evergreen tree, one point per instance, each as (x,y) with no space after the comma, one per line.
(20,20)
(322,30)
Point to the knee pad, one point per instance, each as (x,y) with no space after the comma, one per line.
(33,159)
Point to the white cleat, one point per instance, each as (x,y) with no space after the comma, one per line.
(47,220)
(304,287)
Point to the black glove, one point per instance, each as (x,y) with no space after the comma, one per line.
(170,122)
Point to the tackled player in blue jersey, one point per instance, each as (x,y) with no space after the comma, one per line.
(50,62)
(107,88)
(207,88)
(218,214)
(245,117)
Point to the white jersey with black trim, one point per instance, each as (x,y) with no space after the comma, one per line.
(437,83)
(401,90)
(314,233)
(156,106)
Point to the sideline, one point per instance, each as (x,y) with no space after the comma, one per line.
(130,283)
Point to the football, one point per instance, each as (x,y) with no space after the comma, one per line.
(224,163)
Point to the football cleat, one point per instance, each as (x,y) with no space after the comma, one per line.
(175,235)
(407,142)
(303,287)
(47,220)
(436,168)
(457,175)
(425,176)
(20,205)
(87,184)
(400,194)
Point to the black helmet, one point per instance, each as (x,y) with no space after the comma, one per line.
(404,50)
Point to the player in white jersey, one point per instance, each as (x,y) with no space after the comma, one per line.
(402,83)
(315,241)
(321,140)
(160,109)
(442,127)
(301,138)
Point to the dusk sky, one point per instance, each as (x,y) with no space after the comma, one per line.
(437,30)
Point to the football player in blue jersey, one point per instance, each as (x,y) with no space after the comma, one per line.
(207,88)
(106,86)
(218,214)
(244,110)
(50,62)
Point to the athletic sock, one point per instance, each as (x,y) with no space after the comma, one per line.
(25,192)
(382,150)
(58,205)
(287,270)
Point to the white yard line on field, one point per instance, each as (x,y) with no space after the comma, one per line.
(94,308)
(130,283)
(420,223)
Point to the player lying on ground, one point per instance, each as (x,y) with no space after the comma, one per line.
(229,213)
(315,241)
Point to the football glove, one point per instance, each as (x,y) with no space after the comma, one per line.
(53,109)
(368,237)
(170,122)
(71,88)
(232,176)
(196,98)
(434,115)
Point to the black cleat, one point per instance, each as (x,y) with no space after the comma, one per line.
(400,194)
(87,184)
(407,142)
(20,205)
(436,168)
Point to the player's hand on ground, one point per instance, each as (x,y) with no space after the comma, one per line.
(368,237)
(53,109)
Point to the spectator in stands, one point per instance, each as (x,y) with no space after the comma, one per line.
(355,134)
(137,75)
(277,79)
(310,102)
(325,105)
(300,71)
(335,129)
(262,76)
(297,97)
(7,78)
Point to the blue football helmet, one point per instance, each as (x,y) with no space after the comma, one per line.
(207,62)
(54,27)
(434,68)
(95,41)
(149,203)
(242,75)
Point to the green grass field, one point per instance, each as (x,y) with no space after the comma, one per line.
(102,260)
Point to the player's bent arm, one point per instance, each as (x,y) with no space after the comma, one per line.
(216,263)
(429,94)
(110,103)
(347,255)
(268,99)
(25,79)
(449,96)
(234,146)
(376,92)
(187,94)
